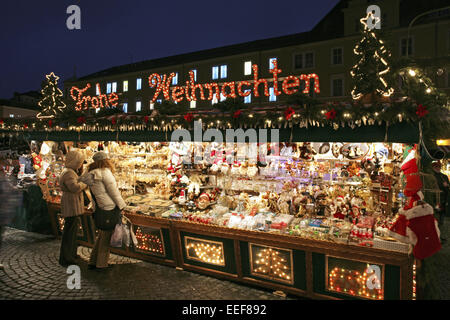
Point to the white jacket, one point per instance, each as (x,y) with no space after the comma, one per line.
(103,184)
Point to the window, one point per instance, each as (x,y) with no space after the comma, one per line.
(337,87)
(193,104)
(215,72)
(97,89)
(304,60)
(223,71)
(214,99)
(138,83)
(138,106)
(298,61)
(309,60)
(175,79)
(152,105)
(125,107)
(222,97)
(247,68)
(125,86)
(114,87)
(271,60)
(108,87)
(159,101)
(337,57)
(272,96)
(406,47)
(195,74)
(248,99)
(11,115)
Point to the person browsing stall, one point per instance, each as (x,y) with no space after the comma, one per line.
(106,196)
(72,206)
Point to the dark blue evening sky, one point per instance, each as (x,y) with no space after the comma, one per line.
(35,41)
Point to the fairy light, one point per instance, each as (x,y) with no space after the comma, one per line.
(354,283)
(269,263)
(428,90)
(387,91)
(149,242)
(412,73)
(208,253)
(50,110)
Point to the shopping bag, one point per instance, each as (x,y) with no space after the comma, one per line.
(126,236)
(117,236)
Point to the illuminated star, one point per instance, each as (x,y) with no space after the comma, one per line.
(366,19)
(52,76)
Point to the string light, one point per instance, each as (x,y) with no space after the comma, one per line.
(50,110)
(412,73)
(271,264)
(149,242)
(354,283)
(208,253)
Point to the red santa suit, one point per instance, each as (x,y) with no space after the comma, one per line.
(423,231)
(413,180)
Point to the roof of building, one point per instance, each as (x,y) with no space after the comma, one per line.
(15,104)
(329,27)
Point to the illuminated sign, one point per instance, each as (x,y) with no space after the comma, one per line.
(231,89)
(207,91)
(99,101)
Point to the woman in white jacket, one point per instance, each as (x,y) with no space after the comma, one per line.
(103,185)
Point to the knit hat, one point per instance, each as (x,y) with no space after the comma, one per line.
(98,156)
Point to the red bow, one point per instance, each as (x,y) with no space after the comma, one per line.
(81,119)
(25,126)
(1,121)
(237,114)
(421,111)
(50,123)
(288,113)
(188,117)
(331,114)
(146,119)
(113,121)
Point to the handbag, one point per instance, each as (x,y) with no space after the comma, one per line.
(105,220)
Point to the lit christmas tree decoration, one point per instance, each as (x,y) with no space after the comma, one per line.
(372,71)
(51,103)
(270,264)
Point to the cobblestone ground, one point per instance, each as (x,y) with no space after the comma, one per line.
(32,272)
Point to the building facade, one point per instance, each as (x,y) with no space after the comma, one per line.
(326,51)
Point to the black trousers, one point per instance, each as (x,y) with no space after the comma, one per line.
(69,246)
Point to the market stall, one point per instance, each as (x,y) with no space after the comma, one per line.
(312,220)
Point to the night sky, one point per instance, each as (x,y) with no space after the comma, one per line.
(35,41)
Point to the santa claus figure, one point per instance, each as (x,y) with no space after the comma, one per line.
(423,231)
(413,180)
(340,208)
